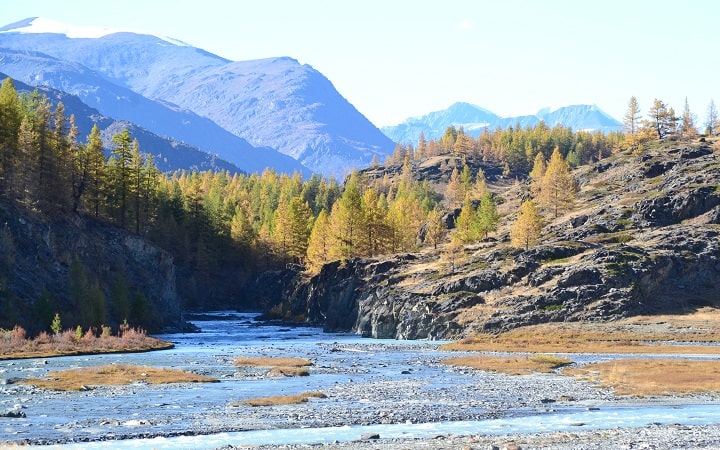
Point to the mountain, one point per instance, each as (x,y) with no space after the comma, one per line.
(120,103)
(169,154)
(474,120)
(277,102)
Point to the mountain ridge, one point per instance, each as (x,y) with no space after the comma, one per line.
(474,119)
(273,102)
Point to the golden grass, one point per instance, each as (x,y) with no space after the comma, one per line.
(113,375)
(511,365)
(271,361)
(643,377)
(562,338)
(280,399)
(279,366)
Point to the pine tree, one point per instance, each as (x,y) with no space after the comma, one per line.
(558,187)
(526,229)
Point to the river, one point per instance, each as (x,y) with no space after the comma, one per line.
(392,388)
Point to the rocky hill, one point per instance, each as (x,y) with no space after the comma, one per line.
(642,238)
(136,278)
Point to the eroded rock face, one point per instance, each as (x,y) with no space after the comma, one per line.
(650,245)
(38,255)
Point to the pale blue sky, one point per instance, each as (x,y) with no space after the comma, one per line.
(395,58)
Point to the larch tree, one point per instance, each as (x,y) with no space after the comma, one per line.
(558,186)
(687,122)
(454,192)
(9,125)
(661,120)
(467,224)
(319,243)
(631,121)
(525,231)
(488,217)
(480,183)
(120,166)
(711,121)
(537,173)
(435,228)
(346,219)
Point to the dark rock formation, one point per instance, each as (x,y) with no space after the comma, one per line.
(37,255)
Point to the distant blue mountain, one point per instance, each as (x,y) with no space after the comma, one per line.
(474,120)
(275,103)
(169,155)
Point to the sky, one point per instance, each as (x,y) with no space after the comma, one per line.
(394,59)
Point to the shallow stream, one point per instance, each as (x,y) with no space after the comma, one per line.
(392,388)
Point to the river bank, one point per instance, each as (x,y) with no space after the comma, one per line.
(400,391)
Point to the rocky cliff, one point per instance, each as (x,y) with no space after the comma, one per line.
(643,238)
(135,277)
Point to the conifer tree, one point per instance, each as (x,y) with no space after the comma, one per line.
(488,215)
(467,225)
(631,121)
(9,125)
(120,166)
(687,122)
(319,243)
(93,172)
(346,219)
(480,183)
(711,122)
(435,229)
(454,192)
(558,186)
(526,229)
(537,173)
(661,120)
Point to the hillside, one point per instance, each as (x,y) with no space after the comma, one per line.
(642,238)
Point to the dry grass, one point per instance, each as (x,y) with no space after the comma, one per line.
(113,375)
(511,365)
(643,377)
(557,338)
(280,399)
(15,345)
(279,366)
(271,361)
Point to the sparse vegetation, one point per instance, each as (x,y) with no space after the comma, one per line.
(14,344)
(512,365)
(278,366)
(644,377)
(280,399)
(113,375)
(551,338)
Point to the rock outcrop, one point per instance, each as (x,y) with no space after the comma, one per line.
(37,254)
(645,241)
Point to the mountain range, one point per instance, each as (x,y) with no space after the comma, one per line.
(475,119)
(271,112)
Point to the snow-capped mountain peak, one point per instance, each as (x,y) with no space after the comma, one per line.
(40,25)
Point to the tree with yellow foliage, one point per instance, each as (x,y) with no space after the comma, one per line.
(525,232)
(558,186)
